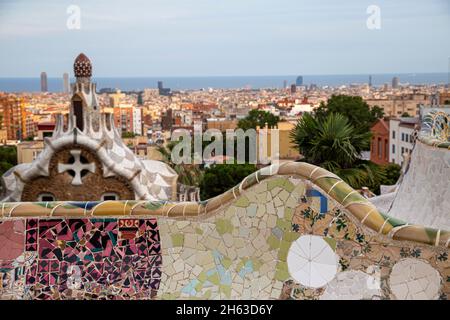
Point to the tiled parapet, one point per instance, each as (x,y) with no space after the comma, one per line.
(238,245)
(329,184)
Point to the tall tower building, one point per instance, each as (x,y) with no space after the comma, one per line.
(370,81)
(66,82)
(293,88)
(395,82)
(44,84)
(299,81)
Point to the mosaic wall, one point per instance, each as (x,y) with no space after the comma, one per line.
(282,238)
(243,253)
(80,259)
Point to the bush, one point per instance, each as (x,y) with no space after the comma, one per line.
(223,177)
(390,176)
(8,158)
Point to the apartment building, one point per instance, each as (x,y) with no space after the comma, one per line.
(128,118)
(397,105)
(12,117)
(28,151)
(401,138)
(379,147)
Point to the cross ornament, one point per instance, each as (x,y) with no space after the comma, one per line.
(76,167)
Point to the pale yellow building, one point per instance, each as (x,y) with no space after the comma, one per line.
(287,150)
(28,151)
(222,124)
(395,106)
(3,136)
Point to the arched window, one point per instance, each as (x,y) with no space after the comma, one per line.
(78,112)
(46,197)
(110,196)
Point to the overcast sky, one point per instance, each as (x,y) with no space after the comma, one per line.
(224,37)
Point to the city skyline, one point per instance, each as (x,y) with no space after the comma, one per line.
(192,39)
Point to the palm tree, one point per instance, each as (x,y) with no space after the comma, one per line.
(334,144)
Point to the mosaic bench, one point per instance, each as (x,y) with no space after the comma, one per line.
(294,231)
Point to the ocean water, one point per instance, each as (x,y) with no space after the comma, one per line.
(225,82)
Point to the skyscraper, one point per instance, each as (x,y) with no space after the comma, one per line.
(285,84)
(44,85)
(299,81)
(140,99)
(293,88)
(163,91)
(66,82)
(370,81)
(395,82)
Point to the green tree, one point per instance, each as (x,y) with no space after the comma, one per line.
(222,177)
(405,114)
(331,142)
(8,158)
(391,174)
(127,134)
(358,112)
(258,118)
(392,171)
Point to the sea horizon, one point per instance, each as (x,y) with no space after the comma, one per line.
(137,83)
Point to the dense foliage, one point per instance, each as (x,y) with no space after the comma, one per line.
(222,177)
(8,158)
(127,134)
(354,108)
(332,142)
(258,118)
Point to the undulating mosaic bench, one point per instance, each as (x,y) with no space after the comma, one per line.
(293,231)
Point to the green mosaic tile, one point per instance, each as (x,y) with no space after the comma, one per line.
(281,272)
(202,277)
(242,202)
(331,242)
(273,242)
(177,239)
(214,278)
(283,224)
(224,226)
(288,214)
(207,295)
(288,186)
(226,262)
(277,182)
(226,289)
(291,236)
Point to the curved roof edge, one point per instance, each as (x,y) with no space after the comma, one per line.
(358,206)
(433,142)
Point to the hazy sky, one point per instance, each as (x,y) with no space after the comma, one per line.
(224,37)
